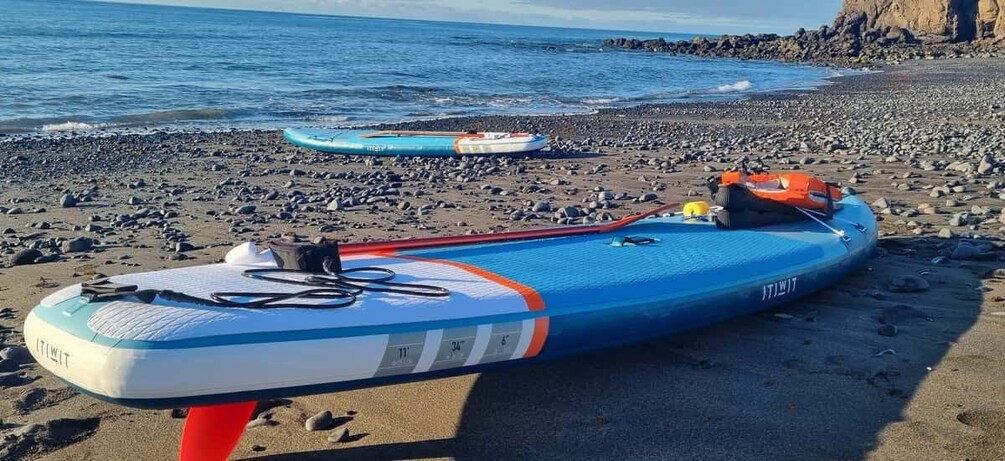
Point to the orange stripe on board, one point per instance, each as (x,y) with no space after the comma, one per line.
(530,296)
(540,335)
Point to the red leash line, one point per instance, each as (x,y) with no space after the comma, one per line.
(435,242)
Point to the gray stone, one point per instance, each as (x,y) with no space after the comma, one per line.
(569,212)
(320,422)
(77,245)
(259,421)
(881,203)
(24,257)
(980,210)
(67,201)
(19,354)
(946,233)
(888,330)
(542,207)
(11,379)
(245,209)
(965,251)
(340,436)
(907,284)
(335,205)
(985,166)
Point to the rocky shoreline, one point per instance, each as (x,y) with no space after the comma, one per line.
(907,348)
(853,40)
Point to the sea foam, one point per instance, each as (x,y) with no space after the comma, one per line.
(742,85)
(69,126)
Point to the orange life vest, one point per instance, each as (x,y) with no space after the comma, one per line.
(793,189)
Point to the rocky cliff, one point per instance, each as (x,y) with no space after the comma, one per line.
(930,20)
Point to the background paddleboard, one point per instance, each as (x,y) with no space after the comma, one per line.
(413,143)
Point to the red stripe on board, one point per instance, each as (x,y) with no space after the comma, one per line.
(436,242)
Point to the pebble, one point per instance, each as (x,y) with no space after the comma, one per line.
(340,436)
(8,366)
(319,422)
(889,329)
(245,209)
(77,245)
(542,207)
(907,284)
(11,379)
(881,203)
(259,421)
(67,201)
(965,251)
(335,205)
(18,354)
(24,257)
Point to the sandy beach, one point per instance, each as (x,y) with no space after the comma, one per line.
(863,370)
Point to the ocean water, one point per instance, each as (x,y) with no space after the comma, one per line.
(80,65)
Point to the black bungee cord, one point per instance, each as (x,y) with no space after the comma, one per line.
(332,285)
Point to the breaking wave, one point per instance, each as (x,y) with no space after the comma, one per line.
(742,85)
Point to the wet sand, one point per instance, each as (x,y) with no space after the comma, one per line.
(825,377)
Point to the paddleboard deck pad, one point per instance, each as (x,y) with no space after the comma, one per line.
(413,143)
(509,303)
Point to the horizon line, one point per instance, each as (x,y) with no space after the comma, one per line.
(391,18)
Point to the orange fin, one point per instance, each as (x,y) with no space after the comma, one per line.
(212,432)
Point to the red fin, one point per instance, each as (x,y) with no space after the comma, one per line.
(212,432)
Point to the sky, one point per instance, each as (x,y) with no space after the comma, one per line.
(685,16)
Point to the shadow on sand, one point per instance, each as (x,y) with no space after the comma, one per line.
(811,380)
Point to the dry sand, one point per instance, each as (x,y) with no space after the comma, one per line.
(811,380)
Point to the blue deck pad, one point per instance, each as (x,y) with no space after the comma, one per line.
(586,271)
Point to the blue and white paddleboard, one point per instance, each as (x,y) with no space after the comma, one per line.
(510,303)
(413,143)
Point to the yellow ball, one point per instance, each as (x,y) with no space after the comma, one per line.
(696,209)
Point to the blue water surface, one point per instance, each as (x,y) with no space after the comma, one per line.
(69,64)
